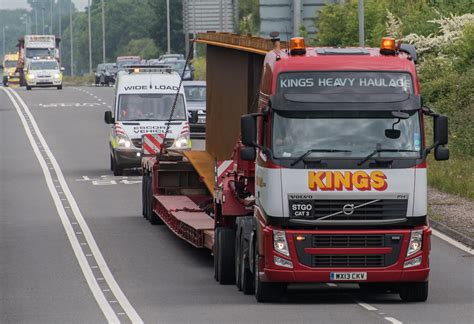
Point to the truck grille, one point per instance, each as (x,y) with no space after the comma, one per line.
(347,261)
(336,241)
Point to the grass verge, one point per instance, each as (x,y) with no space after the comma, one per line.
(85,80)
(455,176)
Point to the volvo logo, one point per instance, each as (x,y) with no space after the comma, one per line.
(348,209)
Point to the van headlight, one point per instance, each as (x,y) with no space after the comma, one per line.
(124,141)
(279,242)
(416,242)
(57,76)
(30,76)
(182,142)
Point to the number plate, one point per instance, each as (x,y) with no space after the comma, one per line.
(348,276)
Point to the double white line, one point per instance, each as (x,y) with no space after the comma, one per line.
(102,284)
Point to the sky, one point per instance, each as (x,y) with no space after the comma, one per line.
(18,4)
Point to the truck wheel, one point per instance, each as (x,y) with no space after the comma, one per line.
(28,88)
(238,261)
(226,256)
(414,291)
(246,279)
(266,291)
(152,217)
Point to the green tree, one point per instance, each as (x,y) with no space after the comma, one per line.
(144,47)
(249,17)
(158,29)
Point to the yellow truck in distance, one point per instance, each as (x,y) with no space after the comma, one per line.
(9,69)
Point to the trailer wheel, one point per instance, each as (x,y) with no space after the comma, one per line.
(266,291)
(144,193)
(414,291)
(152,217)
(226,256)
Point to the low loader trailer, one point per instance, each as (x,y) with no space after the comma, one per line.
(314,169)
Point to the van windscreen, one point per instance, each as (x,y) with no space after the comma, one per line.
(150,107)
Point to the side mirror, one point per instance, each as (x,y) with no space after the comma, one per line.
(441,153)
(440,126)
(248,153)
(108,117)
(248,129)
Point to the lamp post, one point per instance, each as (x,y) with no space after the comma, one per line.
(90,36)
(361,24)
(103,31)
(168,30)
(42,11)
(36,17)
(72,37)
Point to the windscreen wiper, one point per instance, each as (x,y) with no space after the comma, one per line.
(302,157)
(381,150)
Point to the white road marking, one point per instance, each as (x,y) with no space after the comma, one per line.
(393,320)
(87,271)
(367,306)
(453,242)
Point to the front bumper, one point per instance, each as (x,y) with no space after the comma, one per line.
(46,82)
(128,158)
(304,273)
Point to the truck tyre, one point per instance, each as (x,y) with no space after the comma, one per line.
(226,256)
(5,81)
(152,217)
(265,291)
(246,278)
(414,291)
(238,262)
(28,88)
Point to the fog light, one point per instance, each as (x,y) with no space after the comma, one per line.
(282,262)
(413,262)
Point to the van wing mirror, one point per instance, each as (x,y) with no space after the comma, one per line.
(441,153)
(248,129)
(108,117)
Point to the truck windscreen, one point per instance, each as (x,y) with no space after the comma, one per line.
(10,64)
(343,134)
(150,107)
(39,52)
(345,82)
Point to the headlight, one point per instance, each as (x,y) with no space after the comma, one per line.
(416,242)
(124,141)
(182,142)
(30,76)
(279,242)
(57,75)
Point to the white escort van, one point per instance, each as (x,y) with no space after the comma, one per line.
(144,98)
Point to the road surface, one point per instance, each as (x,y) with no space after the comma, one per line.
(74,247)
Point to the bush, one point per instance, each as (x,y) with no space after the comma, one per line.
(199,64)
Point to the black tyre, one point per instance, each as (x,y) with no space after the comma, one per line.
(111,163)
(152,217)
(265,291)
(60,87)
(144,194)
(226,256)
(246,278)
(238,261)
(414,291)
(28,88)
(215,253)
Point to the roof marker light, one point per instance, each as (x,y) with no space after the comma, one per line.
(297,46)
(387,46)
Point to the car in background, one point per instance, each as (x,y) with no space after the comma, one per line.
(166,57)
(44,73)
(195,92)
(124,61)
(108,74)
(178,66)
(98,73)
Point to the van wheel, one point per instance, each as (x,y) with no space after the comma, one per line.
(118,171)
(414,291)
(226,256)
(60,87)
(265,291)
(28,88)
